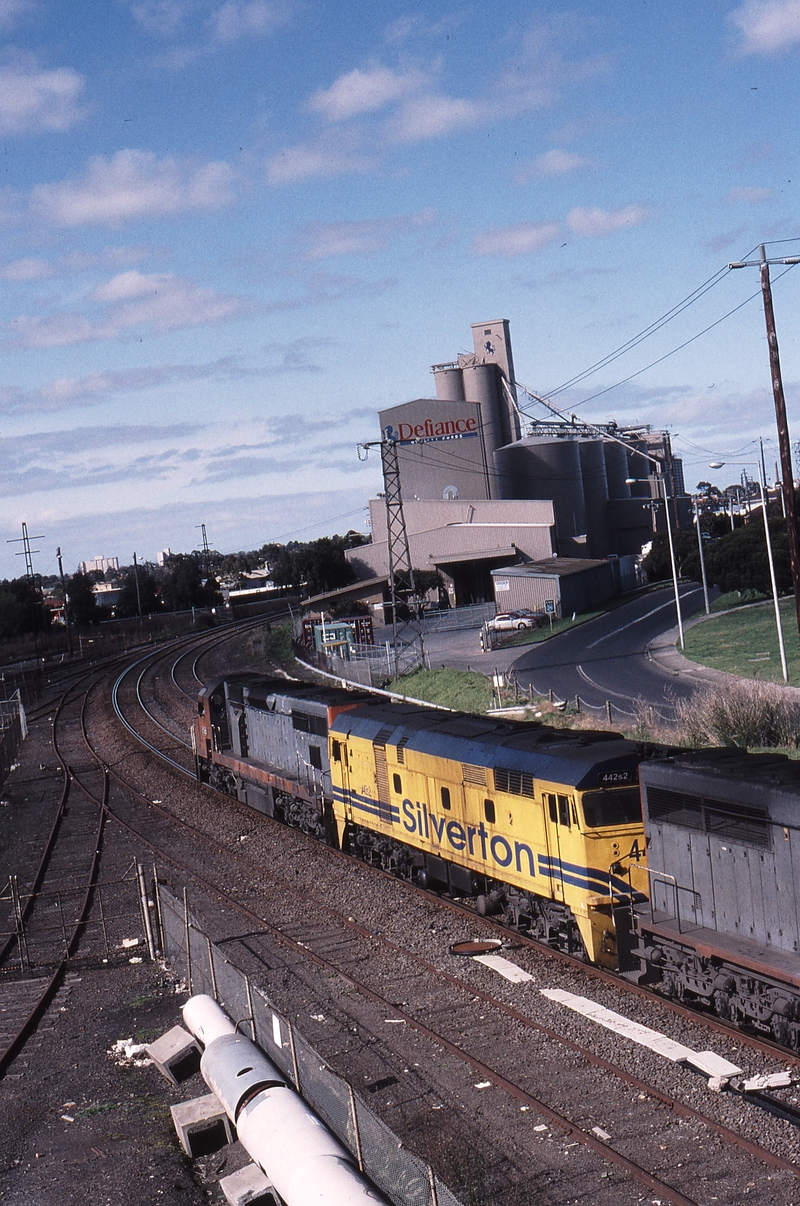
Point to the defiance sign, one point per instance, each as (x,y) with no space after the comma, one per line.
(432,429)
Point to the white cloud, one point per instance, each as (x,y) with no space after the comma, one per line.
(768,26)
(522,239)
(551,163)
(434,116)
(159,17)
(313,161)
(156,302)
(597,223)
(33,100)
(251,18)
(750,196)
(361,92)
(36,268)
(133,184)
(12,10)
(322,240)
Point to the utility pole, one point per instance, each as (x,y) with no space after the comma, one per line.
(66,601)
(780,415)
(138,595)
(207,565)
(401,575)
(27,553)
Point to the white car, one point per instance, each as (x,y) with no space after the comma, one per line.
(505,620)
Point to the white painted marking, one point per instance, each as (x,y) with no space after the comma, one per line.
(277,1038)
(705,1061)
(639,619)
(601,1134)
(504,968)
(643,1035)
(712,1064)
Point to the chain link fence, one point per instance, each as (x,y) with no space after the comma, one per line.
(13,731)
(403,1177)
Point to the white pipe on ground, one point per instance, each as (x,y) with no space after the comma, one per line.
(281,1133)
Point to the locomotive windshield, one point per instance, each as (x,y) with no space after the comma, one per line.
(619,807)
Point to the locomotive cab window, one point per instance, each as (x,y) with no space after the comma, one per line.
(336,751)
(558,808)
(620,807)
(489,811)
(315,756)
(445,794)
(398,784)
(201,707)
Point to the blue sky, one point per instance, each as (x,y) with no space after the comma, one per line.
(233,230)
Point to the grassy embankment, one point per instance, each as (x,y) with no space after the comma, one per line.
(745,640)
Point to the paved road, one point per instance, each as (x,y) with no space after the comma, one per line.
(608,659)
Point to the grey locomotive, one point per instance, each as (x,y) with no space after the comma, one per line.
(722,927)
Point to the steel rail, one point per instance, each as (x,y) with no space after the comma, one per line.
(670,1102)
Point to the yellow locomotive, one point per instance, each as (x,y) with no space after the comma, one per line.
(530,820)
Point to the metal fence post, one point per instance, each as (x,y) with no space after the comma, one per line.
(356,1132)
(577,703)
(250,1007)
(293,1049)
(159,917)
(608,710)
(148,929)
(211,967)
(188,943)
(432,1184)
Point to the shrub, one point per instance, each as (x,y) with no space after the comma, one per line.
(744,714)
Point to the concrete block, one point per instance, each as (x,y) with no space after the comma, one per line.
(248,1187)
(202,1125)
(176,1055)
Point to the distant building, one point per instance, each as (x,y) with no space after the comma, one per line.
(479,495)
(100,565)
(163,557)
(106,594)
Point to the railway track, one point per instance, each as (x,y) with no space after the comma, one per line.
(358,950)
(323,940)
(46,914)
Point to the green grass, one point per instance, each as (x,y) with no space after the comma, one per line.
(745,642)
(737,598)
(464,690)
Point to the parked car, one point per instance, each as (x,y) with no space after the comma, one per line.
(505,620)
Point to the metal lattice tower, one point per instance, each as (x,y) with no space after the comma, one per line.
(401,575)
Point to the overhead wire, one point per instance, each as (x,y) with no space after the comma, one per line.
(673,352)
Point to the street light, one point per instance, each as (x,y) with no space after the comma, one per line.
(660,478)
(781,646)
(780,415)
(702,557)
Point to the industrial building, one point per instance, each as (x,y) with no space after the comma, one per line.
(480,495)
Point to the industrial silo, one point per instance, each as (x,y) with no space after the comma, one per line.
(595,496)
(481,383)
(541,467)
(449,382)
(616,458)
(639,470)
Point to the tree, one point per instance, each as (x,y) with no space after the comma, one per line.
(739,560)
(182,584)
(128,603)
(318,566)
(656,565)
(83,609)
